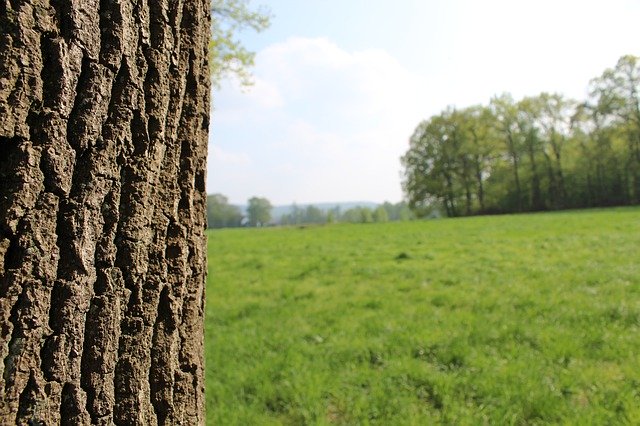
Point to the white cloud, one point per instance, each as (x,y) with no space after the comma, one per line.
(261,95)
(324,125)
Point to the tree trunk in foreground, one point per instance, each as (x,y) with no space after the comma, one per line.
(104,113)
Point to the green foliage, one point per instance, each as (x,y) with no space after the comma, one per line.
(540,153)
(366,215)
(310,214)
(228,55)
(525,319)
(258,211)
(615,102)
(331,216)
(221,214)
(357,215)
(314,215)
(398,212)
(380,215)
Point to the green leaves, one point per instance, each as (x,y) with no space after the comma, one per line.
(259,211)
(227,54)
(541,152)
(221,214)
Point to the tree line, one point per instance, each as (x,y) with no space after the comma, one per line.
(544,152)
(222,214)
(384,212)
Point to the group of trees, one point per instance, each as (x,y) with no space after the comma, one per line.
(221,214)
(539,153)
(308,214)
(311,214)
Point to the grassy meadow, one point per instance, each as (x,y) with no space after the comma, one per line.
(521,319)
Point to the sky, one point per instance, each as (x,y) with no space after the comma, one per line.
(340,85)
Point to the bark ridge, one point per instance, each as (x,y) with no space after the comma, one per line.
(104,114)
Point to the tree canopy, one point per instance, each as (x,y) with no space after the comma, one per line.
(228,55)
(538,153)
(221,214)
(258,211)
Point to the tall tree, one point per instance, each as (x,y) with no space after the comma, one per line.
(505,111)
(380,215)
(429,168)
(599,158)
(221,214)
(104,114)
(258,211)
(460,154)
(528,114)
(554,123)
(313,214)
(479,124)
(617,94)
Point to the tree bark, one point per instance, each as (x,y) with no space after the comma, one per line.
(104,113)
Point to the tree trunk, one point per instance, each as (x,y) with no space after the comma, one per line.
(562,193)
(477,162)
(514,158)
(104,112)
(552,187)
(536,193)
(479,183)
(450,196)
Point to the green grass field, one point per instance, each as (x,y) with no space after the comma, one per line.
(523,319)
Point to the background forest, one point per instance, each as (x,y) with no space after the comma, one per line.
(545,152)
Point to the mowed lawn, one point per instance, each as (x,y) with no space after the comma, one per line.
(521,319)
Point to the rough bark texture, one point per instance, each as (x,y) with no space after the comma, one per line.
(104,113)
